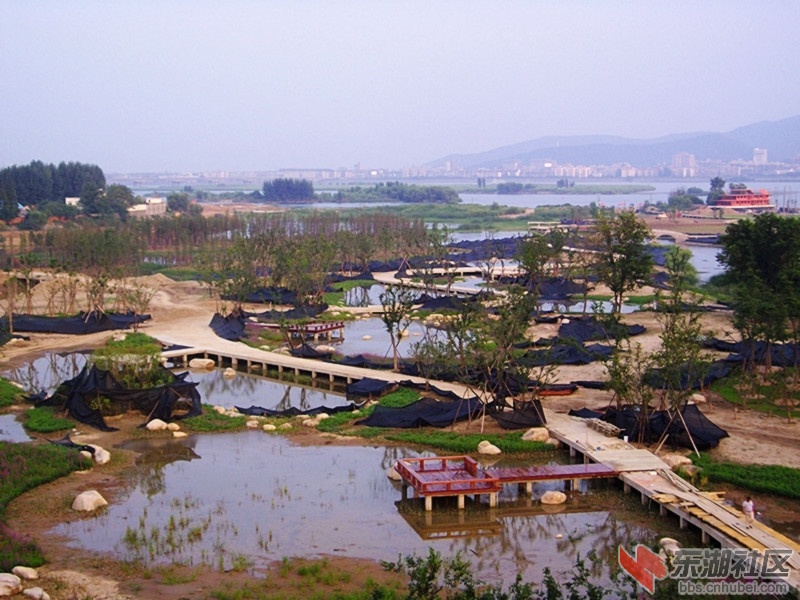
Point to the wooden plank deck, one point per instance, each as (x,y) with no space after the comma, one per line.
(461,475)
(551,472)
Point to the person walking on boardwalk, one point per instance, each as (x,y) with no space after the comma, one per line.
(749,510)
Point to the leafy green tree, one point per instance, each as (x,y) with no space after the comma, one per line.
(762,258)
(33,221)
(178,202)
(680,359)
(9,207)
(623,262)
(716,189)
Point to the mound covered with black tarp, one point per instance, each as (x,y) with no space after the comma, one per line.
(589,329)
(567,353)
(258,411)
(530,414)
(81,324)
(717,370)
(704,432)
(307,351)
(780,355)
(424,412)
(270,295)
(298,312)
(369,387)
(230,327)
(78,394)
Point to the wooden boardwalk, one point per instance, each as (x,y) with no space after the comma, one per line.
(644,472)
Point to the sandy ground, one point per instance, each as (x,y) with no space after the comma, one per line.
(183,310)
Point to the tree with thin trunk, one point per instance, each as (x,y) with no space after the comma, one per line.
(623,262)
(396,317)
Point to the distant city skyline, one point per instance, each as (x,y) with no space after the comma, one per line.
(200,86)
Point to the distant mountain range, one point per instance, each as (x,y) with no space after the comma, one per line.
(781,139)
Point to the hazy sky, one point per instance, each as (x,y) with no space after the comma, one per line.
(198,85)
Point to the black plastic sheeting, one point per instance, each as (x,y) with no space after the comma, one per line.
(232,326)
(704,432)
(258,411)
(717,370)
(306,351)
(81,324)
(588,329)
(426,412)
(567,353)
(369,387)
(270,295)
(780,355)
(76,395)
(525,417)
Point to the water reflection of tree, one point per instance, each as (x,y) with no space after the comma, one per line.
(47,371)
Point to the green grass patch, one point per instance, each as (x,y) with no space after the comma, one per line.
(24,467)
(771,479)
(211,421)
(460,443)
(43,419)
(744,390)
(9,393)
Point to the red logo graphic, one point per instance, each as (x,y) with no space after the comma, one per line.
(646,568)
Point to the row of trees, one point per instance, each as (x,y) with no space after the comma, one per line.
(399,192)
(286,190)
(39,184)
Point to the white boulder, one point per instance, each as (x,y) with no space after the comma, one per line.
(156,425)
(88,501)
(173,426)
(269,427)
(286,426)
(553,497)
(486,447)
(229,373)
(36,593)
(698,398)
(202,363)
(669,547)
(252,424)
(101,455)
(179,434)
(10,584)
(27,573)
(536,434)
(220,410)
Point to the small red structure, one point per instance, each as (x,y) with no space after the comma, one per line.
(460,476)
(745,198)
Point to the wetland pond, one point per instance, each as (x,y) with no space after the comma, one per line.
(251,497)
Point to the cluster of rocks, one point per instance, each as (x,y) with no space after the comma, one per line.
(13,583)
(605,428)
(159,425)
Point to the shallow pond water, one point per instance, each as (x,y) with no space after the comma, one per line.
(216,499)
(11,430)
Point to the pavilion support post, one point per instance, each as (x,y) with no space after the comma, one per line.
(428,503)
(461,502)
